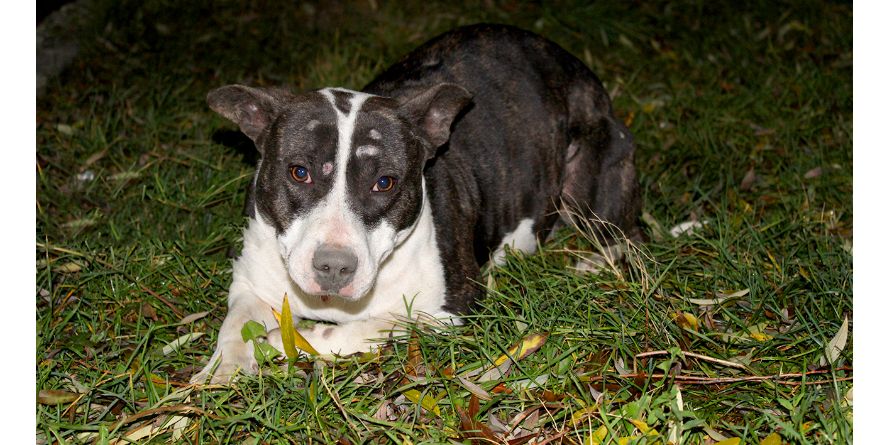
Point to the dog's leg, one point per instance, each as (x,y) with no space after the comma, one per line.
(232,354)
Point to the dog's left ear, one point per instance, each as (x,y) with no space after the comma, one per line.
(434,109)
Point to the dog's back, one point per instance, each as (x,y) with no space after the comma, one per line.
(540,131)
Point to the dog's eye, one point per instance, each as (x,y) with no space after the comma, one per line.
(384,184)
(300,174)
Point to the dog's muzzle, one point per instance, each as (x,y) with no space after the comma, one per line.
(334,267)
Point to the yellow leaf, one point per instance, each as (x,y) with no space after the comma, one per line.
(806,427)
(312,391)
(641,425)
(598,435)
(292,339)
(761,336)
(427,402)
(286,329)
(685,320)
(730,441)
(527,346)
(626,440)
(772,439)
(757,332)
(581,414)
(644,428)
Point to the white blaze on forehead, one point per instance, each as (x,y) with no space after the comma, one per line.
(346,123)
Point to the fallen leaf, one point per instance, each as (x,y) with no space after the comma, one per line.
(814,173)
(414,362)
(658,232)
(687,228)
(643,427)
(181,341)
(729,441)
(772,439)
(474,389)
(193,317)
(472,428)
(757,332)
(148,311)
(425,401)
(55,397)
(748,180)
(65,129)
(714,434)
(526,346)
(598,435)
(685,320)
(619,365)
(69,267)
(580,415)
(626,440)
(836,345)
(720,298)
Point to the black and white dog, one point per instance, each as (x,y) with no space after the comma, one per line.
(370,207)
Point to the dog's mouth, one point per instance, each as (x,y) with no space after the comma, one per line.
(346,293)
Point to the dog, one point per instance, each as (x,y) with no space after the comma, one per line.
(374,206)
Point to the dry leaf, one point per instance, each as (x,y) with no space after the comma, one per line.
(69,267)
(814,173)
(836,345)
(748,180)
(55,397)
(193,317)
(658,232)
(687,228)
(474,389)
(720,298)
(526,346)
(65,129)
(181,341)
(772,439)
(685,320)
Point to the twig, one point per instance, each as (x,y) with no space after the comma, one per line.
(181,409)
(694,380)
(691,354)
(175,309)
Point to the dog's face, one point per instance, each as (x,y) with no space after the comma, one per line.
(340,176)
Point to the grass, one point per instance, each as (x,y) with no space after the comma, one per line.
(743,120)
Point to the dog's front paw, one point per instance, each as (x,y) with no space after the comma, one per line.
(225,365)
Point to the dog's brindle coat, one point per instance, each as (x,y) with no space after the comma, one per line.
(373,206)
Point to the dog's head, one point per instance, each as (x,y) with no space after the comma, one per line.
(340,174)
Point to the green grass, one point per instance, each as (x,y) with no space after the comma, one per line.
(710,91)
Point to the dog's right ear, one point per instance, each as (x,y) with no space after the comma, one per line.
(250,108)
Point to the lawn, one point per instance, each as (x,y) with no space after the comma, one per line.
(733,333)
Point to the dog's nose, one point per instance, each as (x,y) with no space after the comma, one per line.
(334,267)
